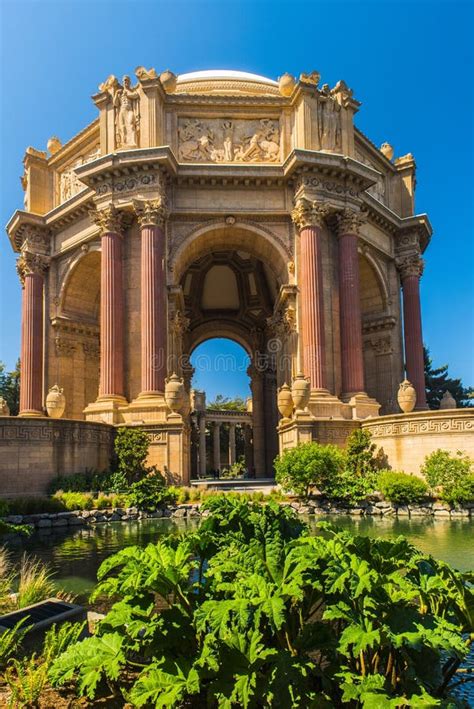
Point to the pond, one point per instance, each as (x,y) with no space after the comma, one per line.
(75,556)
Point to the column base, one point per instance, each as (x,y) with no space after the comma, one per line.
(31,413)
(148,407)
(362,405)
(324,405)
(108,409)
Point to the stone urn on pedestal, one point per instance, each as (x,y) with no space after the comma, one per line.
(300,392)
(285,401)
(406,396)
(174,393)
(55,402)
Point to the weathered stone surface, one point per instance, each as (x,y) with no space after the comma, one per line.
(43,523)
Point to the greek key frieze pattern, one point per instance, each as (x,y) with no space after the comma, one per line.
(63,434)
(402,428)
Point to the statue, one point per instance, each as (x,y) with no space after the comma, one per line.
(127,115)
(329,124)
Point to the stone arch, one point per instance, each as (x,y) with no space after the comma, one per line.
(220,235)
(221,329)
(80,291)
(373,288)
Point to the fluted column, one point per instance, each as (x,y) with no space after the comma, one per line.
(352,356)
(217,446)
(111,303)
(232,443)
(410,267)
(202,446)
(309,218)
(151,216)
(31,269)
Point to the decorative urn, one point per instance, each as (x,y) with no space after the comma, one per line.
(387,150)
(285,401)
(448,401)
(174,393)
(286,84)
(54,144)
(406,396)
(55,402)
(4,408)
(300,392)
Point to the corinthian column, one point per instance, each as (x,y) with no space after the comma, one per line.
(111,305)
(352,358)
(151,216)
(309,219)
(31,268)
(410,267)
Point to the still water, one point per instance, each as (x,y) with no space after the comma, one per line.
(75,555)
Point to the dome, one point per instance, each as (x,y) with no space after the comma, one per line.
(226,82)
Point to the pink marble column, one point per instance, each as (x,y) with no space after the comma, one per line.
(111,304)
(153,303)
(309,218)
(411,268)
(31,268)
(352,357)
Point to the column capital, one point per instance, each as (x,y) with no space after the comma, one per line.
(109,219)
(349,221)
(410,264)
(307,213)
(31,263)
(35,239)
(153,212)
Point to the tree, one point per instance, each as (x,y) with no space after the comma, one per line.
(10,387)
(225,403)
(438,381)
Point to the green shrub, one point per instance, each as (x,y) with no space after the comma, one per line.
(452,473)
(4,508)
(151,492)
(349,488)
(308,465)
(360,452)
(402,489)
(75,500)
(88,481)
(131,449)
(34,505)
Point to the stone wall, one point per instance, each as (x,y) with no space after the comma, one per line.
(33,451)
(408,438)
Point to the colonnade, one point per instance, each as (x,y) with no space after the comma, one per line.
(215,422)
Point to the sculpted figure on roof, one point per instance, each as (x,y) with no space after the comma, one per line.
(126,102)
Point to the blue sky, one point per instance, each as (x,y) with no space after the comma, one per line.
(410,63)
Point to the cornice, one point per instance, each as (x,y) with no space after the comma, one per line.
(330,165)
(362,139)
(75,144)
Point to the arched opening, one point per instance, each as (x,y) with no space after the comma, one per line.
(81,293)
(221,417)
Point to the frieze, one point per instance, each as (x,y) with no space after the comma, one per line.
(141,179)
(69,183)
(64,347)
(430,426)
(64,433)
(228,140)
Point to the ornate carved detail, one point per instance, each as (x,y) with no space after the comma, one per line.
(338,187)
(35,239)
(408,241)
(179,323)
(30,262)
(410,265)
(69,183)
(151,212)
(349,221)
(227,140)
(64,346)
(91,349)
(143,74)
(65,431)
(109,219)
(382,345)
(329,114)
(142,179)
(309,213)
(127,114)
(312,79)
(379,324)
(429,425)
(283,322)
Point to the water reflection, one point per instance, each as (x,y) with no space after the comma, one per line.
(75,555)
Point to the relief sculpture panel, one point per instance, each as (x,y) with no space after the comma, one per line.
(69,183)
(226,140)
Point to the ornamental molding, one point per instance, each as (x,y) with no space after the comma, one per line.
(140,179)
(64,346)
(31,264)
(410,265)
(349,221)
(66,431)
(282,324)
(35,239)
(179,323)
(110,220)
(152,212)
(379,324)
(309,213)
(382,345)
(63,325)
(428,426)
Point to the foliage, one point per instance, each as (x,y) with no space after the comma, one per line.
(225,403)
(88,481)
(151,492)
(34,505)
(349,488)
(438,381)
(402,489)
(10,387)
(59,638)
(308,465)
(75,500)
(131,450)
(35,582)
(453,473)
(360,451)
(252,611)
(10,642)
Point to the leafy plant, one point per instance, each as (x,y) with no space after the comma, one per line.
(252,611)
(402,489)
(88,481)
(131,450)
(26,680)
(10,642)
(454,474)
(59,638)
(34,505)
(150,492)
(35,582)
(309,465)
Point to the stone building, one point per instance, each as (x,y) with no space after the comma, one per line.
(220,204)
